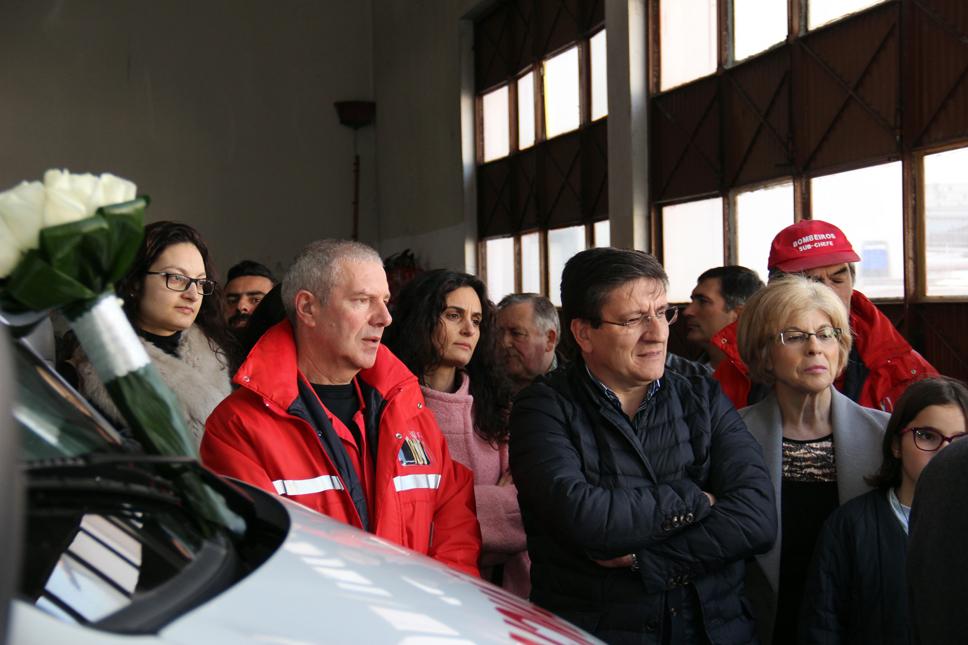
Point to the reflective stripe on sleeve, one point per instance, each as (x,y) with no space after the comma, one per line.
(307,486)
(411,482)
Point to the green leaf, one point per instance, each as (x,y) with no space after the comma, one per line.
(126,224)
(35,285)
(61,244)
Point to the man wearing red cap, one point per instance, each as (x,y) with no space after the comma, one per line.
(882,364)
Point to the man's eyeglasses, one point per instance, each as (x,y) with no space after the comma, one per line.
(798,337)
(667,315)
(930,439)
(179,282)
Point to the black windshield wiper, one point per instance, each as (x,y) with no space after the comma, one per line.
(144,476)
(51,481)
(108,460)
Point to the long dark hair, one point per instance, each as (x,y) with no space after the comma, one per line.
(939,390)
(411,337)
(158,237)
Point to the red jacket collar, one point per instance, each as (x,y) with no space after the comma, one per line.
(874,334)
(725,340)
(271,369)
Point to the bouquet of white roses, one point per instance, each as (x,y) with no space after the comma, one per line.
(63,244)
(67,239)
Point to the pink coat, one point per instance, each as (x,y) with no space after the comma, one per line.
(497,506)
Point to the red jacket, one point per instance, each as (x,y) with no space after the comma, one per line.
(253,436)
(891,362)
(731,373)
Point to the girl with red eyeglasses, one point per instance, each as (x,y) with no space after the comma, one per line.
(856,591)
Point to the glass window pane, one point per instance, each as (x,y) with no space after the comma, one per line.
(531,263)
(603,234)
(496,124)
(562,244)
(820,12)
(866,205)
(687,33)
(757,26)
(692,241)
(562,113)
(599,76)
(946,223)
(499,256)
(526,111)
(760,215)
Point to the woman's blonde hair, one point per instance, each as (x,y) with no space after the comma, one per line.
(771,309)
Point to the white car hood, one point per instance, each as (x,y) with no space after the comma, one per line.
(332,583)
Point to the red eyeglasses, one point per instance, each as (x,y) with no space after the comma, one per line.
(930,439)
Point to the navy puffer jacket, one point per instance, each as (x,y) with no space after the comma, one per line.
(594,485)
(856,592)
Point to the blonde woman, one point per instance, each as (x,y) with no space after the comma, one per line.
(818,445)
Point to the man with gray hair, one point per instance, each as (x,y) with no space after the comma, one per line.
(326,415)
(529,332)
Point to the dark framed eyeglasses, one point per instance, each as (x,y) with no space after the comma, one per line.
(929,439)
(667,315)
(825,335)
(179,282)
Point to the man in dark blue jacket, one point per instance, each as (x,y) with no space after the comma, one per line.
(642,492)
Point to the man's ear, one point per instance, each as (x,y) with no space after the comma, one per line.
(552,340)
(580,329)
(306,304)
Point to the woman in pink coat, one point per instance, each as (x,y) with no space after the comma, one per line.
(443,330)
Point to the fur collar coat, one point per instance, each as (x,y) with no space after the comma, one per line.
(199,377)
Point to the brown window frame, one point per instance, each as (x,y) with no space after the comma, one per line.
(584,87)
(910,155)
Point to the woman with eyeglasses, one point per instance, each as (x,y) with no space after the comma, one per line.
(172,301)
(444,330)
(857,588)
(818,444)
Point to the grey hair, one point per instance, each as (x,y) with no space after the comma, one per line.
(318,266)
(545,313)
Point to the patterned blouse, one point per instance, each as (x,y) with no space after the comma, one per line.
(809,461)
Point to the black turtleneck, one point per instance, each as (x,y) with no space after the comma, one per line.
(167,344)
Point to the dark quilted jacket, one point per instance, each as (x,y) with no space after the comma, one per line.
(856,592)
(593,487)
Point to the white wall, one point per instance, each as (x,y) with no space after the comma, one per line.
(221,110)
(417,58)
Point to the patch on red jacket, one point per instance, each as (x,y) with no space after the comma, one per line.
(412,452)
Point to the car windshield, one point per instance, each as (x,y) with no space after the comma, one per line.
(117,539)
(55,420)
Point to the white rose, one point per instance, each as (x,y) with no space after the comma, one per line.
(112,190)
(60,179)
(9,252)
(67,197)
(82,188)
(22,209)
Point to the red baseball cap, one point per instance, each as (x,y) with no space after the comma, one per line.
(809,244)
